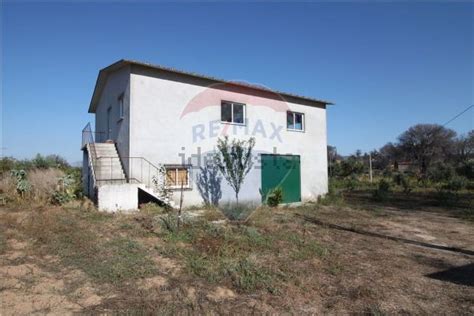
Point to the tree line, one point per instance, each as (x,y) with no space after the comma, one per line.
(429,152)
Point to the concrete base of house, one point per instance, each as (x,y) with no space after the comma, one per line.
(117,197)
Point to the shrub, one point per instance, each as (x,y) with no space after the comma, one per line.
(440,172)
(407,184)
(383,190)
(22,184)
(456,183)
(404,181)
(66,190)
(466,169)
(6,165)
(351,183)
(275,197)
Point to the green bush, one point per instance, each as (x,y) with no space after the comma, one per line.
(22,183)
(404,181)
(456,183)
(439,172)
(407,184)
(383,190)
(351,183)
(466,169)
(275,197)
(66,191)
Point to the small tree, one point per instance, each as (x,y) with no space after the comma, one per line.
(160,185)
(234,160)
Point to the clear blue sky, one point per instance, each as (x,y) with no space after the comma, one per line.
(386,66)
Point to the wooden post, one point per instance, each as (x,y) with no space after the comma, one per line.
(370,167)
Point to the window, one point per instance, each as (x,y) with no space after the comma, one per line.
(177,176)
(294,121)
(233,112)
(120,103)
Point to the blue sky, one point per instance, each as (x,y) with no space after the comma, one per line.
(387,66)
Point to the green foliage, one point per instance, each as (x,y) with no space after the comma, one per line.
(351,182)
(76,243)
(6,165)
(466,169)
(38,162)
(22,184)
(275,197)
(407,184)
(349,167)
(439,172)
(404,181)
(248,277)
(66,190)
(383,191)
(3,243)
(456,183)
(234,161)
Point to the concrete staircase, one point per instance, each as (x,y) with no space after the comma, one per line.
(114,191)
(108,168)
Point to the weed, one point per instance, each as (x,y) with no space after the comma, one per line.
(3,243)
(76,243)
(383,191)
(248,276)
(237,212)
(304,249)
(153,208)
(275,197)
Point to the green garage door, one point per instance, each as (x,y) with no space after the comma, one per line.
(282,171)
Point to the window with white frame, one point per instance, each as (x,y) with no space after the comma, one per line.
(294,121)
(120,106)
(232,112)
(177,176)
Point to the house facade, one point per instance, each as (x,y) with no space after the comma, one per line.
(148,117)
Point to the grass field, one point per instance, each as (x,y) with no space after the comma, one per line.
(353,256)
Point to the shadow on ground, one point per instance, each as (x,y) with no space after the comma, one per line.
(463,275)
(378,235)
(458,205)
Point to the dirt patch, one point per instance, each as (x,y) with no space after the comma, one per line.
(221,293)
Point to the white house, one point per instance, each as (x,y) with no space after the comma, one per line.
(147,116)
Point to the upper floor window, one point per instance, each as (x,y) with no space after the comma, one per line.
(294,121)
(232,112)
(121,109)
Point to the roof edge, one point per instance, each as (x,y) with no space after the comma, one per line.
(102,76)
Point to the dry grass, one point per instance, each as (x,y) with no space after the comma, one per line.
(274,263)
(7,187)
(43,183)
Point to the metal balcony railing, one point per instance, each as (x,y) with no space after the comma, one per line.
(91,137)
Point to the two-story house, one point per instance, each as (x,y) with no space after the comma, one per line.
(147,116)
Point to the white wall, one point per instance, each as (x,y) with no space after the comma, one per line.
(117,83)
(161,133)
(117,197)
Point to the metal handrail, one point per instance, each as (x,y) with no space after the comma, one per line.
(144,175)
(89,136)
